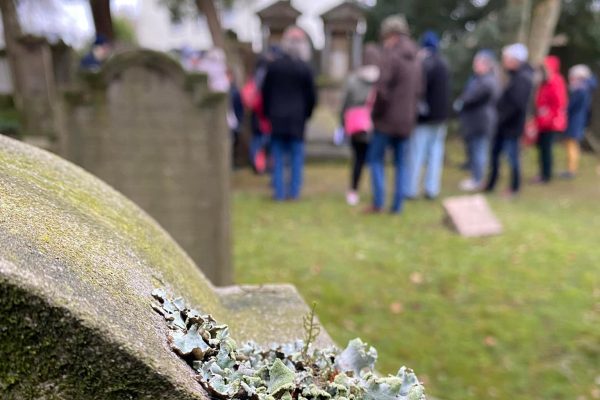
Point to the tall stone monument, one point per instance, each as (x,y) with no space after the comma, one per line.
(156,134)
(274,19)
(344,27)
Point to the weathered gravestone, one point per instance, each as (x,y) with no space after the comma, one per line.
(36,100)
(157,135)
(78,263)
(471,216)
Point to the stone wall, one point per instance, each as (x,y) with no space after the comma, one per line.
(78,263)
(158,136)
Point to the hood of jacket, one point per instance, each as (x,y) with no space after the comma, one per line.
(552,64)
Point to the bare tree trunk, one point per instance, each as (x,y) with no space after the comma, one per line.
(544,19)
(103,18)
(208,9)
(518,14)
(524,21)
(12,33)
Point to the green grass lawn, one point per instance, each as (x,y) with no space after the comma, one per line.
(510,317)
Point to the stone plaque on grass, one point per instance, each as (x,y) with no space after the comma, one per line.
(471,216)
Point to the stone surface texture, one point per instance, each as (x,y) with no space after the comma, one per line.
(157,135)
(78,262)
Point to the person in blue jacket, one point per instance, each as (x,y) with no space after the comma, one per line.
(99,52)
(581,86)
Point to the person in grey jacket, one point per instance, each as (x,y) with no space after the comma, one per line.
(478,115)
(359,92)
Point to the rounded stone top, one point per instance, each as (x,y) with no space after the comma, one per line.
(78,264)
(75,244)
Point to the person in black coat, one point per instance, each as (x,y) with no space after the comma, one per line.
(512,115)
(289,97)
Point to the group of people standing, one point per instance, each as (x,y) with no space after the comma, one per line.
(406,90)
(399,99)
(495,114)
(408,104)
(407,110)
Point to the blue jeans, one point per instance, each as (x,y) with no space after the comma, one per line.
(479,150)
(426,148)
(510,146)
(376,157)
(287,152)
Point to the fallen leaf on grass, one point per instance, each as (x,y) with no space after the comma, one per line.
(396,308)
(490,341)
(416,278)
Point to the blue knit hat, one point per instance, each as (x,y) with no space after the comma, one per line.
(430,40)
(100,40)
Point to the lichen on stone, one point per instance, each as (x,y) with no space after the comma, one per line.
(281,372)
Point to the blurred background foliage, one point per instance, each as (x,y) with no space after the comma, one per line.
(469,25)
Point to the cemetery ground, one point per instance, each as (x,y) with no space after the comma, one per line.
(515,316)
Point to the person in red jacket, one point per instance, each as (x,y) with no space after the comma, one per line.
(551,114)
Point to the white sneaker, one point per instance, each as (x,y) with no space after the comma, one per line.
(352,198)
(468,185)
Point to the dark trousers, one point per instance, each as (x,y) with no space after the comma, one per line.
(509,146)
(545,144)
(359,157)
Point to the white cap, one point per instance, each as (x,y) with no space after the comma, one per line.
(580,71)
(518,51)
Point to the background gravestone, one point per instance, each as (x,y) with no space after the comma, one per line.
(160,138)
(78,263)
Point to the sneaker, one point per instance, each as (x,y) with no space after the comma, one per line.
(567,175)
(537,180)
(352,198)
(469,185)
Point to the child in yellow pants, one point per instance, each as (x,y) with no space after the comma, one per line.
(573,151)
